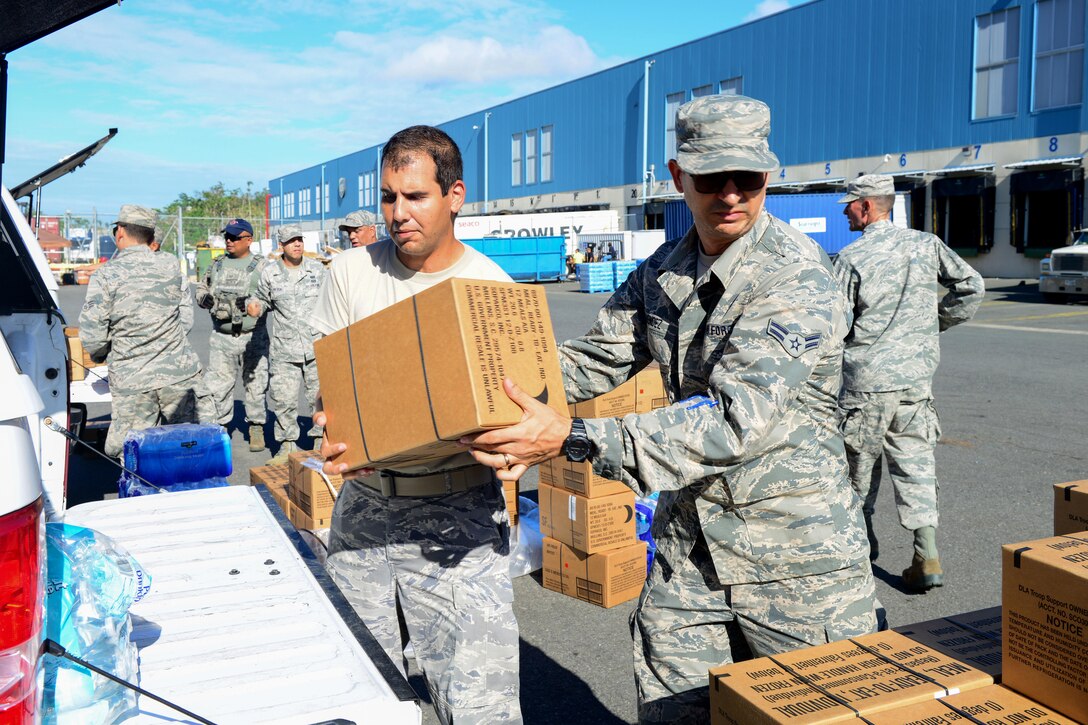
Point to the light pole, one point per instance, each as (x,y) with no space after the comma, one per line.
(645,128)
(378,182)
(321,201)
(487,116)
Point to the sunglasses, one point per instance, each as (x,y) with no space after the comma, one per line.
(743,180)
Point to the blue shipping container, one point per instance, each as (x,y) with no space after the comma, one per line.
(526,259)
(817,215)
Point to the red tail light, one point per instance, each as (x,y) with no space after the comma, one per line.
(22,596)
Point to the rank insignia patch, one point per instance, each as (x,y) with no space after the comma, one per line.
(795,343)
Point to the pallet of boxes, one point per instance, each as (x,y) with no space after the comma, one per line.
(591,551)
(1023,662)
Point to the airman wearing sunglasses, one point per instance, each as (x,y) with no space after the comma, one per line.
(761,546)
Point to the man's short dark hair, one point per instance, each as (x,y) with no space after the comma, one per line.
(433,141)
(143,235)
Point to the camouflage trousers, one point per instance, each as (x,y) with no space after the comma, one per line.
(444,561)
(284,379)
(228,354)
(904,428)
(687,622)
(174,403)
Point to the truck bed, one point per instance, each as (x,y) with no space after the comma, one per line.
(241,624)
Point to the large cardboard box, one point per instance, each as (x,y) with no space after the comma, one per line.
(404,384)
(588,524)
(1070,507)
(308,489)
(973,638)
(835,682)
(994,704)
(649,389)
(605,579)
(76,370)
(1044,624)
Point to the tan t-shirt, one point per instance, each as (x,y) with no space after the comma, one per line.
(365,280)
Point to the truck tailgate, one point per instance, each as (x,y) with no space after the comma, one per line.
(240,625)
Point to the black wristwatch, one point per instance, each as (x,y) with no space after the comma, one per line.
(577,447)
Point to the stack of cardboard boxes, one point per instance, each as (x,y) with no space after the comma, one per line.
(1023,662)
(79,361)
(276,480)
(590,548)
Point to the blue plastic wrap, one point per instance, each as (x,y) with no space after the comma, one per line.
(90,586)
(179,453)
(128,486)
(645,508)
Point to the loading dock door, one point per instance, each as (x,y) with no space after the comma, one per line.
(1047,207)
(963,212)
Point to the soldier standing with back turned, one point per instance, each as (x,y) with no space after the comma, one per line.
(289,288)
(132,320)
(890,277)
(238,341)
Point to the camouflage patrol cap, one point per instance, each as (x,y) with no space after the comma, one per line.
(867,186)
(724,133)
(288,232)
(356,219)
(140,216)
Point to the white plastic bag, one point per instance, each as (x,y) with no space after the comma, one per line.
(527,553)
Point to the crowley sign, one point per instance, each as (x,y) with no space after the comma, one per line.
(552,224)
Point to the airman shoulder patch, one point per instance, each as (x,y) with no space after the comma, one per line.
(794,342)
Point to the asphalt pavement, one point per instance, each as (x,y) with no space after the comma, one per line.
(1010,393)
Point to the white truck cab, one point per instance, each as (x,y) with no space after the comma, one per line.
(1063,274)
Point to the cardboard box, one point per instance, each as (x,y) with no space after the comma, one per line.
(1044,622)
(404,384)
(649,389)
(588,524)
(834,682)
(269,476)
(994,704)
(302,520)
(973,638)
(308,489)
(605,579)
(510,491)
(275,479)
(76,371)
(1070,507)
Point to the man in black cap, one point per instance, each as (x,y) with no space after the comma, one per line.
(238,341)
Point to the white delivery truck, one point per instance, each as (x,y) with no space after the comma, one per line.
(1063,274)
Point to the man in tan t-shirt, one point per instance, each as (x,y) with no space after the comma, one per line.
(398,537)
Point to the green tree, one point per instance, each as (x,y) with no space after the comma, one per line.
(209,209)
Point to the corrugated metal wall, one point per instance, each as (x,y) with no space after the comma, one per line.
(844,79)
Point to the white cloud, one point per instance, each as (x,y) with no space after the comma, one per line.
(767,7)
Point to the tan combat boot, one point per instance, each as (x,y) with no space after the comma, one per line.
(256,438)
(286,449)
(924,572)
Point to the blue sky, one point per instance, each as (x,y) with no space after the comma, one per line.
(244,91)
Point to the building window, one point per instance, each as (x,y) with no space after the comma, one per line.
(673,101)
(546,154)
(361,203)
(317,197)
(366,197)
(304,202)
(997,63)
(289,205)
(530,157)
(325,198)
(707,90)
(731,86)
(515,159)
(274,210)
(1059,53)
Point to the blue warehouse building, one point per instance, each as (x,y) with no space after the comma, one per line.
(975,106)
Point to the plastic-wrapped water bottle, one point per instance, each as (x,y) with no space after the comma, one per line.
(645,508)
(178,453)
(129,486)
(91,584)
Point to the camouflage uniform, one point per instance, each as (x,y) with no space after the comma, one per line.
(889,276)
(131,319)
(441,561)
(760,542)
(290,296)
(237,340)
